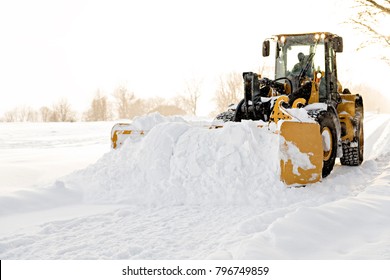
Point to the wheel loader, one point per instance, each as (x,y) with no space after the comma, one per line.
(302,75)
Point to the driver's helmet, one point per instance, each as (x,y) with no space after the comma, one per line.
(301,57)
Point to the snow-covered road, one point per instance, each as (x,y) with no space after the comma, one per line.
(187,193)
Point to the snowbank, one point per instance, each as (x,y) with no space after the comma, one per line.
(178,162)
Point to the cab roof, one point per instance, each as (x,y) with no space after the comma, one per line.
(327,34)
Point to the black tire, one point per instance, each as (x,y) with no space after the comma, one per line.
(329,141)
(353,151)
(239,115)
(227,116)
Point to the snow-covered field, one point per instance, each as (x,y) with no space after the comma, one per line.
(184,192)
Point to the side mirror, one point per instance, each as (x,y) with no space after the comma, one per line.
(266,48)
(338,44)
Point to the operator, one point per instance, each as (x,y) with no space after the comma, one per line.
(303,60)
(300,89)
(299,66)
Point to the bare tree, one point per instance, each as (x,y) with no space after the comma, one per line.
(21,114)
(151,104)
(122,101)
(54,116)
(30,114)
(11,116)
(62,112)
(369,14)
(229,91)
(127,105)
(45,114)
(137,108)
(26,114)
(100,109)
(192,94)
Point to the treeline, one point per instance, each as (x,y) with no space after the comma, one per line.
(121,105)
(124,104)
(59,112)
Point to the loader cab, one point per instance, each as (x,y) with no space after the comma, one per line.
(299,57)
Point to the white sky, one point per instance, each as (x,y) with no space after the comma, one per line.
(70,48)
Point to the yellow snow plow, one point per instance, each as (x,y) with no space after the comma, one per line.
(315,119)
(300,144)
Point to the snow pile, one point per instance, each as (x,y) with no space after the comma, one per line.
(177,162)
(300,115)
(147,122)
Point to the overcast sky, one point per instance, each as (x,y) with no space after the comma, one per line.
(52,49)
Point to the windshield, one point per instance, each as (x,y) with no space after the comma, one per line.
(299,55)
(294,57)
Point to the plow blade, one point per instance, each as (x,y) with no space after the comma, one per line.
(301,153)
(122,131)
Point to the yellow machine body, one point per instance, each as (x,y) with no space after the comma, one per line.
(347,111)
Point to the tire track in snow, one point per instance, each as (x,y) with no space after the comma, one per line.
(374,128)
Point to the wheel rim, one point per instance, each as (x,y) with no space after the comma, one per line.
(327,142)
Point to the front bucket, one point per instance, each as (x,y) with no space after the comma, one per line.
(301,153)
